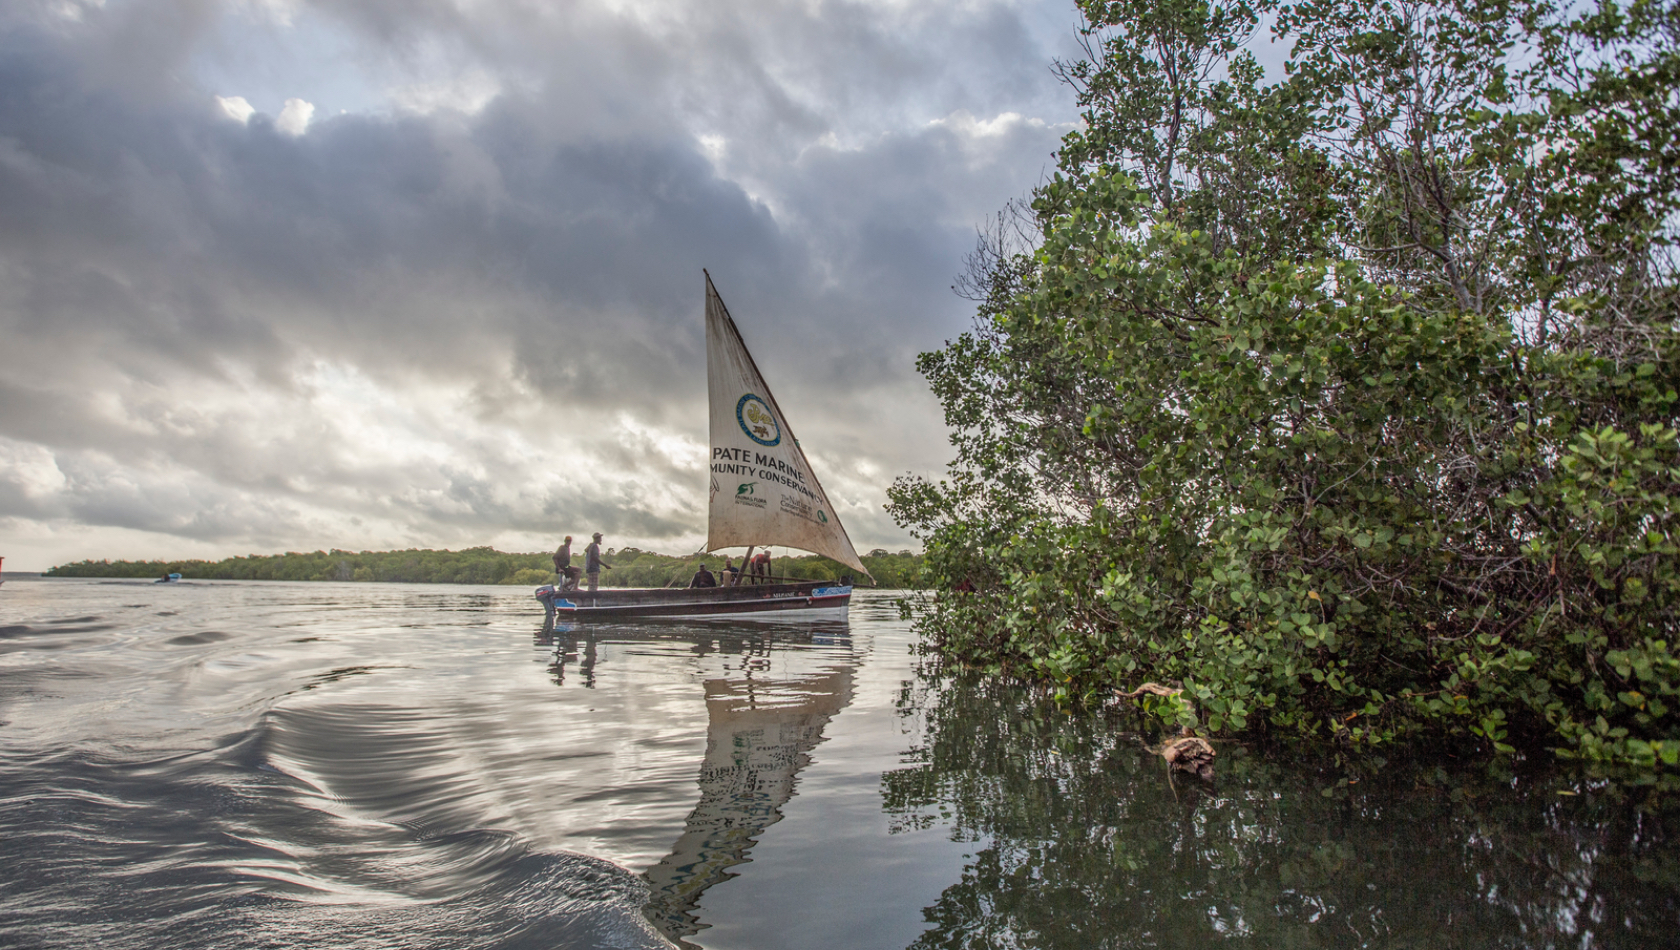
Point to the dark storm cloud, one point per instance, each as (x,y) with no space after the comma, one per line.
(206,320)
(177,239)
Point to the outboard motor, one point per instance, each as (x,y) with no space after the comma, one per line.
(545,594)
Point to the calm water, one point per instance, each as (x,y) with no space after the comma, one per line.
(275,765)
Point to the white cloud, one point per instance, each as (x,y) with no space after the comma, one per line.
(467,94)
(713,147)
(279,12)
(236,108)
(74,10)
(294,117)
(30,469)
(964,123)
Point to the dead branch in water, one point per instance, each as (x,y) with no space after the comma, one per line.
(1185,752)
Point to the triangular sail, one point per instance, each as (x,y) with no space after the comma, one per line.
(763,490)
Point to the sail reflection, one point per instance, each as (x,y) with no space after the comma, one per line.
(764,717)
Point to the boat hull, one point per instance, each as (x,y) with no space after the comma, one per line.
(814,598)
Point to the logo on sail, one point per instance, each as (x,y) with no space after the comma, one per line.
(756,421)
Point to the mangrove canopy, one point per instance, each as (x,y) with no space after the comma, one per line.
(1343,396)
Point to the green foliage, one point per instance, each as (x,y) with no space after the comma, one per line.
(631,567)
(529,577)
(1346,402)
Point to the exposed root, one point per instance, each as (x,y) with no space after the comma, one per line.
(1185,752)
(1153,688)
(1156,689)
(1191,754)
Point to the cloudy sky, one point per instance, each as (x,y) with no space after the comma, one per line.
(297,274)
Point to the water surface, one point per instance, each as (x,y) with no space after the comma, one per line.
(226,764)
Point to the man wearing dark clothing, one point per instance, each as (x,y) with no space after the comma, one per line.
(731,573)
(592,562)
(703,578)
(563,566)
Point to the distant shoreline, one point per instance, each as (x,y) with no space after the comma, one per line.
(631,567)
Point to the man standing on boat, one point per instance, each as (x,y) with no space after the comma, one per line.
(759,569)
(731,573)
(703,578)
(567,574)
(592,562)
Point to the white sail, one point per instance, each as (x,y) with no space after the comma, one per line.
(763,490)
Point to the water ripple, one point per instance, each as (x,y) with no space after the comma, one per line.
(261,765)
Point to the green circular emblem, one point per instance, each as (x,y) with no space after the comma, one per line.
(756,420)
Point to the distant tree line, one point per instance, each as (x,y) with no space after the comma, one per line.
(631,567)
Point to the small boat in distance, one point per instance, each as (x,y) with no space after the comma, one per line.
(167,579)
(763,493)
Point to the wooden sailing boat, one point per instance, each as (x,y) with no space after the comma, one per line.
(763,493)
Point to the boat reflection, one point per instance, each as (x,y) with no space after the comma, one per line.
(577,652)
(767,704)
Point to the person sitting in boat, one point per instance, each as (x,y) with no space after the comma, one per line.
(759,569)
(567,575)
(731,573)
(703,578)
(592,562)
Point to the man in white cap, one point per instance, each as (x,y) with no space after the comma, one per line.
(592,562)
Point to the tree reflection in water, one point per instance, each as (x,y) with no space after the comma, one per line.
(1085,841)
